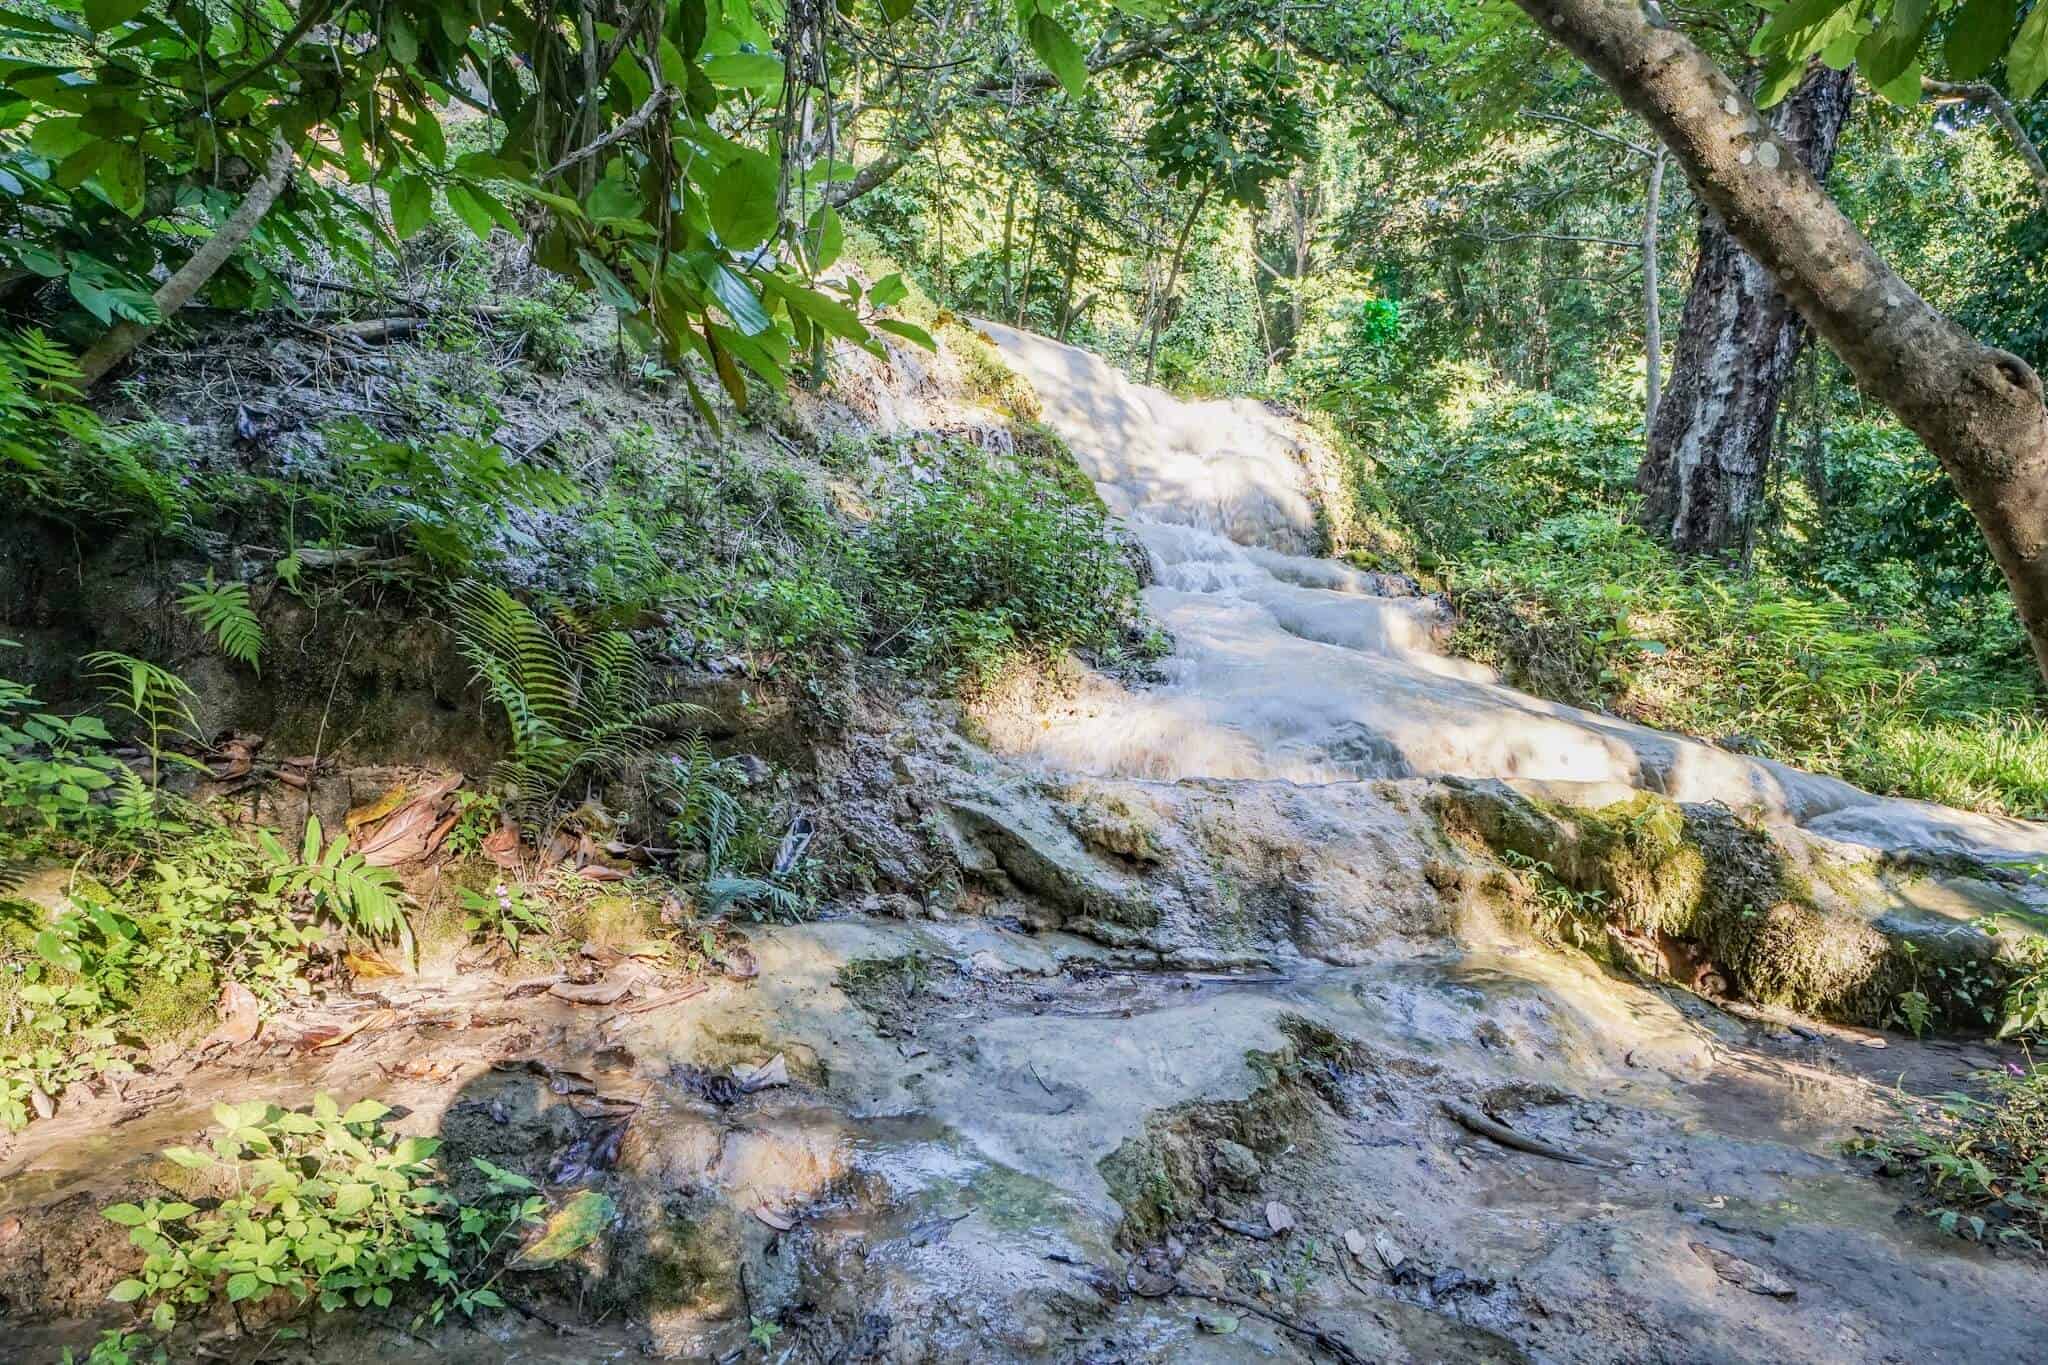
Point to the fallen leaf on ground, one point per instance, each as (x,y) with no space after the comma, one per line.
(1217,1324)
(774,1071)
(368,966)
(596,993)
(598,872)
(1744,1274)
(371,812)
(1355,1242)
(370,1018)
(240,1015)
(501,846)
(1390,1254)
(1279,1217)
(774,1218)
(573,1227)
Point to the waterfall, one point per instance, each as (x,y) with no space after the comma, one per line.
(1302,669)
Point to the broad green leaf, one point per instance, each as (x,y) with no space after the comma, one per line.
(825,238)
(1803,27)
(745,71)
(573,1227)
(58,138)
(121,177)
(106,14)
(1904,88)
(909,331)
(470,207)
(2026,66)
(242,1286)
(608,285)
(1977,37)
(1060,53)
(742,200)
(364,1111)
(893,10)
(128,1291)
(737,298)
(127,1215)
(887,292)
(412,205)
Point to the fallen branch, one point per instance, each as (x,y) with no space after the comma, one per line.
(1474,1121)
(1326,1340)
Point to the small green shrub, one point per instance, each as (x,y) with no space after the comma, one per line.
(323,1205)
(506,912)
(989,563)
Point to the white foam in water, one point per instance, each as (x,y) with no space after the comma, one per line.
(1293,668)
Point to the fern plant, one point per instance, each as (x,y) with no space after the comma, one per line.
(363,899)
(160,705)
(584,712)
(224,612)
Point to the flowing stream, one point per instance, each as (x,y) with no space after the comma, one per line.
(1302,669)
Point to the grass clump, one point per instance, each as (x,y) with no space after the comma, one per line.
(1980,1161)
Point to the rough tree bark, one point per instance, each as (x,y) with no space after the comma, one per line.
(1979,409)
(1702,479)
(189,278)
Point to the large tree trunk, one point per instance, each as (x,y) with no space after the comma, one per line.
(1978,408)
(1702,480)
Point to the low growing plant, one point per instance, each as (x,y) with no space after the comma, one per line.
(325,1207)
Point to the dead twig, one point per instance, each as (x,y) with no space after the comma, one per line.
(1320,1337)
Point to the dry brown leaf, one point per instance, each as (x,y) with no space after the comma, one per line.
(1279,1217)
(596,993)
(378,1018)
(598,872)
(501,845)
(368,966)
(240,1014)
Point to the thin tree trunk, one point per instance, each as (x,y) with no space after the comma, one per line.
(1009,237)
(1653,324)
(1703,479)
(189,278)
(1180,249)
(1302,224)
(1978,408)
(1030,261)
(1067,279)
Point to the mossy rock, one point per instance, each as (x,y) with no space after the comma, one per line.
(1160,1177)
(1699,877)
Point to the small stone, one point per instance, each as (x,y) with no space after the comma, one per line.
(1767,155)
(1237,1166)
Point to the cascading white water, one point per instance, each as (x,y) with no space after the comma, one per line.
(1295,668)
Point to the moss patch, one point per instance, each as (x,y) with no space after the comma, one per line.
(1697,879)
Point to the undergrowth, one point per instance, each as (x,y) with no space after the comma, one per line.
(1842,650)
(1980,1161)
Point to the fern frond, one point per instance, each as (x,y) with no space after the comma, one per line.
(223,610)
